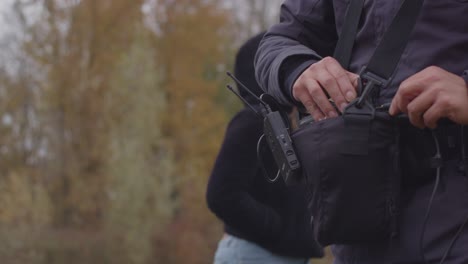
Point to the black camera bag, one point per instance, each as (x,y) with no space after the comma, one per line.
(352,162)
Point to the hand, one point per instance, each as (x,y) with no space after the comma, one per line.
(322,79)
(430,95)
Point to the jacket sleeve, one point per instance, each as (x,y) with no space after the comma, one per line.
(231,181)
(465,76)
(306,33)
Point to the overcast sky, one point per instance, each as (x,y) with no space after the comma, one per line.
(4,8)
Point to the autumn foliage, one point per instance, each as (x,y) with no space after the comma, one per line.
(111,115)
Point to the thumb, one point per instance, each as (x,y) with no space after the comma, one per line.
(353,78)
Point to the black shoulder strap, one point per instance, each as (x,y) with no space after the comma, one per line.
(388,53)
(348,33)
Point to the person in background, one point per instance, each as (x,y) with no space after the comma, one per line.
(263,222)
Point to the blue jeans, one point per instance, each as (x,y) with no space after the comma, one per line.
(233,250)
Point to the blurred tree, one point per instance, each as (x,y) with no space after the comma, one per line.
(24,200)
(253,16)
(191,48)
(77,43)
(140,161)
(246,18)
(111,115)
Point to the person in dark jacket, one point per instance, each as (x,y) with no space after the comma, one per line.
(264,222)
(294,64)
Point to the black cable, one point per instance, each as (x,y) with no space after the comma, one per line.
(431,200)
(436,185)
(310,191)
(262,164)
(310,196)
(426,217)
(452,243)
(464,160)
(463,151)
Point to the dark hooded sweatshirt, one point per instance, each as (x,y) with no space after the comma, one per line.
(269,214)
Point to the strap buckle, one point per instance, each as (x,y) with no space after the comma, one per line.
(369,81)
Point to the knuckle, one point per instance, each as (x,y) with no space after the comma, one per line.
(406,90)
(433,73)
(308,103)
(301,85)
(317,115)
(437,91)
(328,109)
(326,106)
(403,85)
(403,90)
(429,120)
(297,93)
(339,101)
(297,87)
(315,91)
(308,71)
(411,108)
(426,117)
(432,78)
(312,68)
(328,59)
(327,80)
(341,75)
(300,79)
(433,70)
(445,101)
(303,77)
(330,62)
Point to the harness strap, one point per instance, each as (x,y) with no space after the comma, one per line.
(344,46)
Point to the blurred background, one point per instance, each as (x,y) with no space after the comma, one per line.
(111,115)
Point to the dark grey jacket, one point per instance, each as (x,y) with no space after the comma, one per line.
(308,31)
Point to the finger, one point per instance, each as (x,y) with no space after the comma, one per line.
(395,106)
(331,88)
(433,115)
(345,83)
(419,106)
(417,119)
(320,99)
(301,94)
(394,110)
(311,107)
(439,109)
(354,79)
(406,93)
